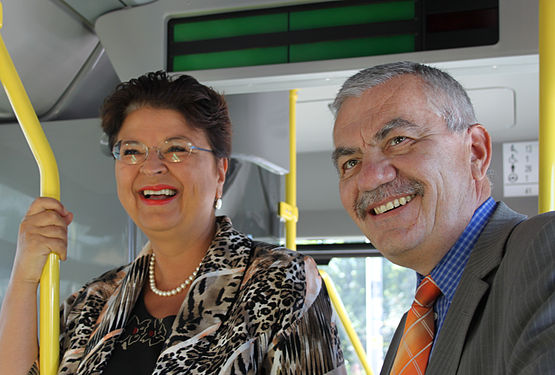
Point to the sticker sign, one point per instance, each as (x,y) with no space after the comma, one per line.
(520,169)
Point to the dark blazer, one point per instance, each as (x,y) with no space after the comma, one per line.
(502,318)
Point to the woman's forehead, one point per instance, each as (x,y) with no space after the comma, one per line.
(160,124)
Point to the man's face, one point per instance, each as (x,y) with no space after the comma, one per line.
(404,178)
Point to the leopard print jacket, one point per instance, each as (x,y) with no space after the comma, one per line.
(253,309)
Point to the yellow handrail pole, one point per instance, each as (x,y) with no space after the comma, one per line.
(288,210)
(546,195)
(291,177)
(340,310)
(49,187)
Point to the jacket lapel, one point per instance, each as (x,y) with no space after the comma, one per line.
(392,350)
(485,257)
(112,318)
(211,294)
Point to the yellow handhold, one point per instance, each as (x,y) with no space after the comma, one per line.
(546,196)
(49,187)
(288,212)
(291,177)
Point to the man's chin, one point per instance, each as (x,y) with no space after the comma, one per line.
(392,245)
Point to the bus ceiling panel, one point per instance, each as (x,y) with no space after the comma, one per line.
(136,40)
(505,94)
(91,10)
(85,94)
(509,84)
(48,46)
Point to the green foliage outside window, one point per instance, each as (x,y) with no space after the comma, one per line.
(398,285)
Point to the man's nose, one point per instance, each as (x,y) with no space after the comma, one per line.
(376,170)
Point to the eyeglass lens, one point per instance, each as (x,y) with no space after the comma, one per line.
(134,152)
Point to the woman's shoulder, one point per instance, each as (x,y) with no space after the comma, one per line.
(280,283)
(99,288)
(270,256)
(283,269)
(264,249)
(109,278)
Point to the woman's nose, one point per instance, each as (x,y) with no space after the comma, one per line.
(154,163)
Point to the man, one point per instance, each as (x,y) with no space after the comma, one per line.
(412,164)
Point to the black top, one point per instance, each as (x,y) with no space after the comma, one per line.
(140,343)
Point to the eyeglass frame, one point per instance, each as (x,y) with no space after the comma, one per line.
(116,153)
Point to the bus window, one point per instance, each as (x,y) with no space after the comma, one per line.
(375,293)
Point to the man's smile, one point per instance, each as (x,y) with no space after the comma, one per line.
(392,204)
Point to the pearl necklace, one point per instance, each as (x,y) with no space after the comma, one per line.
(168,293)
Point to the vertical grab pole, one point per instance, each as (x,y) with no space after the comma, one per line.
(546,198)
(49,187)
(291,177)
(290,213)
(288,210)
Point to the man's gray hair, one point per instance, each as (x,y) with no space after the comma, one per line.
(445,95)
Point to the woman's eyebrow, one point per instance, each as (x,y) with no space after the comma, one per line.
(177,137)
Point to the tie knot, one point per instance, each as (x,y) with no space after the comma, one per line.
(427,292)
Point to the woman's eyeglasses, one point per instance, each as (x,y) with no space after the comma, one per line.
(174,150)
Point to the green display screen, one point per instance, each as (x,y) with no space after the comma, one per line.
(231,59)
(322,31)
(351,48)
(352,15)
(225,28)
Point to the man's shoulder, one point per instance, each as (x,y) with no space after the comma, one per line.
(527,227)
(534,233)
(528,251)
(540,222)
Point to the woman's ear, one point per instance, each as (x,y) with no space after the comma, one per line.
(221,168)
(480,152)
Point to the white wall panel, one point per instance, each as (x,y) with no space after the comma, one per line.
(98,234)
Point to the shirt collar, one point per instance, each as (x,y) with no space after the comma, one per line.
(447,273)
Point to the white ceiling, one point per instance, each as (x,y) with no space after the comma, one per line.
(48,48)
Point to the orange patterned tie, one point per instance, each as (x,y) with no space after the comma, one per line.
(418,336)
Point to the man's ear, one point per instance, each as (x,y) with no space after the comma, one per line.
(480,151)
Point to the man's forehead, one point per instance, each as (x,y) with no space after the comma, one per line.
(402,97)
(369,120)
(389,93)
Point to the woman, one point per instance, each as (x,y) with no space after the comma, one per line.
(201,298)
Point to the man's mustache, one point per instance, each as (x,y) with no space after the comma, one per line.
(397,187)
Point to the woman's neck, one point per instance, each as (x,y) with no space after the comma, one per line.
(179,253)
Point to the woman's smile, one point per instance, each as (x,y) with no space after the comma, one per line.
(157,194)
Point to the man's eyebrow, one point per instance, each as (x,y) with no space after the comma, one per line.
(342,151)
(396,123)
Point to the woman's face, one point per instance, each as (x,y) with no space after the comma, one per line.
(163,197)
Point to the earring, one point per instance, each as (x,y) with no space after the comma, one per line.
(218,203)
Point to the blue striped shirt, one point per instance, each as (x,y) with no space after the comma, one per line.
(447,273)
